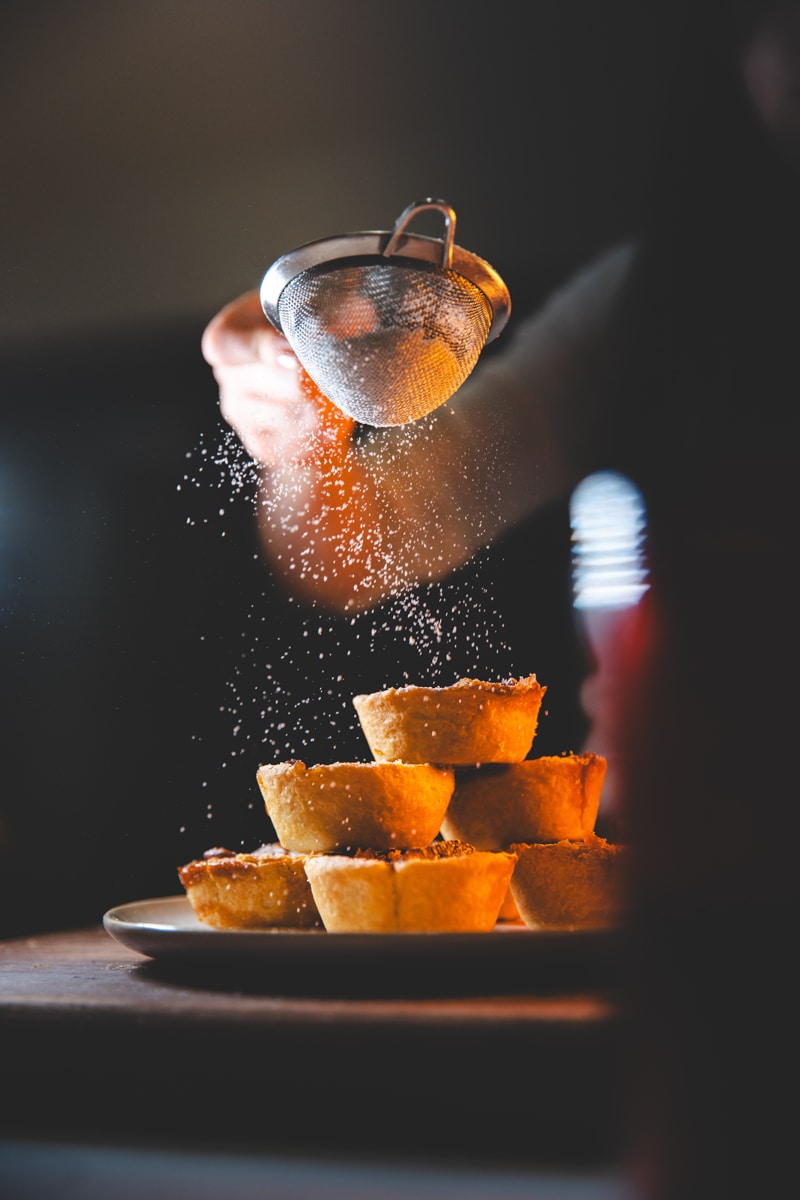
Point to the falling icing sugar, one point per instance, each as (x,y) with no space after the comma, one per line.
(227,467)
(292,679)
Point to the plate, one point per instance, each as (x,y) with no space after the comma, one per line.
(166,928)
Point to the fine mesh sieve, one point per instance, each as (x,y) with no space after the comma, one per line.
(387,324)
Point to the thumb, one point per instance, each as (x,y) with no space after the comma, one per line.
(240,333)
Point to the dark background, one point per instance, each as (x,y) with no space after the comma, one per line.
(157,156)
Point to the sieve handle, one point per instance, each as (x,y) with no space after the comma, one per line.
(407,215)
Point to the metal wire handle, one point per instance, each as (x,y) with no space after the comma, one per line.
(407,216)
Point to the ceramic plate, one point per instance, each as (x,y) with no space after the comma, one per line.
(167,929)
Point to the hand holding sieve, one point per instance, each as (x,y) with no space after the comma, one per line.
(387,324)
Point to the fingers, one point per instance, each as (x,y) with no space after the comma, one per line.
(259,379)
(263,426)
(277,413)
(240,333)
(262,405)
(265,395)
(286,427)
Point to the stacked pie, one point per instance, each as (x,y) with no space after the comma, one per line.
(451,827)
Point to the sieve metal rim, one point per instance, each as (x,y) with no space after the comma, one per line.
(339,250)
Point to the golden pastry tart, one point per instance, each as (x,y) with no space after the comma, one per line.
(341,806)
(447,887)
(265,889)
(470,722)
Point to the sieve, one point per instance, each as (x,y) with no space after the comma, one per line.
(387,324)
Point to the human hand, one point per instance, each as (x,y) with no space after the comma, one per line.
(275,409)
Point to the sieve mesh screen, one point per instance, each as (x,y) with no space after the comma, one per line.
(387,341)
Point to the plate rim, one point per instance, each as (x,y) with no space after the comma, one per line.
(159,938)
(118,917)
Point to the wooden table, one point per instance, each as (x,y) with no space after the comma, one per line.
(99,1041)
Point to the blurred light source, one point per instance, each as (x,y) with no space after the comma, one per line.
(609,524)
(609,577)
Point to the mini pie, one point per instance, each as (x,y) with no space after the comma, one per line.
(470,722)
(543,799)
(539,800)
(447,887)
(265,889)
(570,884)
(342,806)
